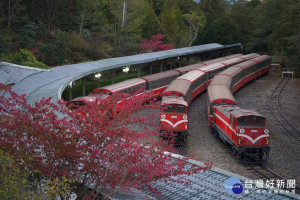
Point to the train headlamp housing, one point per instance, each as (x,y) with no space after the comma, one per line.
(266,131)
(184,117)
(242,131)
(163,116)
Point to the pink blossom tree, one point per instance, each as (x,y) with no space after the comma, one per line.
(91,145)
(155,44)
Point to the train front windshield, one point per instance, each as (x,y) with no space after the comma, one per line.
(174,109)
(251,121)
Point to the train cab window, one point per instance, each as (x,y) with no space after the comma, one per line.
(243,121)
(257,121)
(174,108)
(180,109)
(251,121)
(168,108)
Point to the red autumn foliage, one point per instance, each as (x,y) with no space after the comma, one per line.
(92,148)
(155,44)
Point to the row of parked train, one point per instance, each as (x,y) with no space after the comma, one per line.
(243,130)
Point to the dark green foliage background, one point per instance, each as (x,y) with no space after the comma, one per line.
(60,32)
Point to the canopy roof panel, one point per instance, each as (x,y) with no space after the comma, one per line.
(51,83)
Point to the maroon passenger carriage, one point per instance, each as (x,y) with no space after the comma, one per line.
(154,83)
(237,76)
(243,130)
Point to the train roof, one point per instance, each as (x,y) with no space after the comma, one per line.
(189,67)
(261,58)
(220,94)
(250,56)
(212,67)
(231,71)
(208,62)
(122,85)
(252,61)
(246,64)
(161,75)
(205,63)
(221,79)
(239,112)
(192,75)
(233,60)
(229,61)
(167,100)
(179,87)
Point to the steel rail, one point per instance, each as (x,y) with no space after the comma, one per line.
(281,118)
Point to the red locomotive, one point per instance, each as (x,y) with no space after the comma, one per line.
(174,119)
(244,131)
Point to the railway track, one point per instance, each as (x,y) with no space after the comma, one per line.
(264,172)
(269,177)
(274,103)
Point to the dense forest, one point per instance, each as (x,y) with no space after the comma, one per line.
(58,32)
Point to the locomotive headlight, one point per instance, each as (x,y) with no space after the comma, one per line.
(242,131)
(266,131)
(184,117)
(163,116)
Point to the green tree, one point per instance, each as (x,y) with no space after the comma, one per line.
(253,3)
(88,12)
(129,21)
(28,35)
(77,49)
(150,25)
(287,35)
(15,14)
(196,22)
(173,24)
(55,14)
(8,41)
(54,51)
(213,9)
(268,17)
(241,15)
(222,30)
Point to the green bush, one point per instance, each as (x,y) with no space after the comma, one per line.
(24,57)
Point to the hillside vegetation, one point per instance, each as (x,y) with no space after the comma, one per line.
(59,32)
